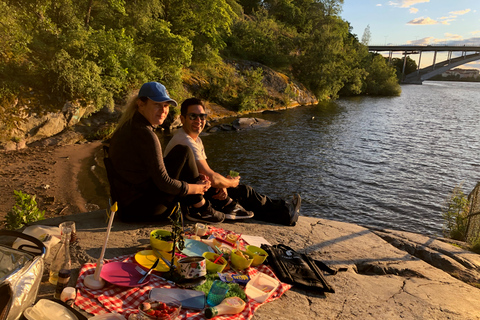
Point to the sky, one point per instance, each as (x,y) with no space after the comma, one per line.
(417,22)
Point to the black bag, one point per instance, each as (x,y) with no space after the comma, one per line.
(298,269)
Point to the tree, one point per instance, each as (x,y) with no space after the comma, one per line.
(410,66)
(262,39)
(381,79)
(366,36)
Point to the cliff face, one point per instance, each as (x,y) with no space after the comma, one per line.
(279,85)
(75,122)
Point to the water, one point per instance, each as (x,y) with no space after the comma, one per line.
(386,162)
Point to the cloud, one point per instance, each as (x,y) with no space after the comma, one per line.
(447,22)
(422,21)
(453,36)
(406,3)
(378,4)
(475,32)
(422,42)
(450,39)
(460,12)
(413,10)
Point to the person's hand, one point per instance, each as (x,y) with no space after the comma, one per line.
(234,181)
(221,194)
(202,176)
(200,187)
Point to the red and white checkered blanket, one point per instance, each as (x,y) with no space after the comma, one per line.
(112,298)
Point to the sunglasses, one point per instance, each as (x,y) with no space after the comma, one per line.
(194,116)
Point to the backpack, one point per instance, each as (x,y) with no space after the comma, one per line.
(298,269)
(20,275)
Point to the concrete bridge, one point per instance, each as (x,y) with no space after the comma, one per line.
(467,54)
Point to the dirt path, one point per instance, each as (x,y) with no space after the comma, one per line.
(50,173)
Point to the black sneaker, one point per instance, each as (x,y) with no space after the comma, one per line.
(234,211)
(205,214)
(294,209)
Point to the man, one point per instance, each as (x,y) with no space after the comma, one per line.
(227,192)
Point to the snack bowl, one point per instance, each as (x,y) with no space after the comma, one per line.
(241,259)
(214,267)
(164,308)
(259,255)
(159,239)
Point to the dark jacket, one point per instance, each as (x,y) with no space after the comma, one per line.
(137,159)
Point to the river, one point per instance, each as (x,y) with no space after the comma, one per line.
(389,162)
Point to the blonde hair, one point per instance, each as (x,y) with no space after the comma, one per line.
(129,110)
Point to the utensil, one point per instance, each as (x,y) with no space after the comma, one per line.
(218,258)
(149,271)
(159,254)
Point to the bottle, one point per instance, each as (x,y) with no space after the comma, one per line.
(62,282)
(232,305)
(62,261)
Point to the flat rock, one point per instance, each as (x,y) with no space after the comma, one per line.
(380,281)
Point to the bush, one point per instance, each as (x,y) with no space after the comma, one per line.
(239,90)
(24,211)
(455,215)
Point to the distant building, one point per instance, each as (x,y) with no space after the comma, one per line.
(462,73)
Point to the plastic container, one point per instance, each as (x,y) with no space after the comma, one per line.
(214,267)
(240,262)
(108,316)
(259,255)
(200,229)
(261,286)
(170,305)
(46,310)
(158,244)
(50,236)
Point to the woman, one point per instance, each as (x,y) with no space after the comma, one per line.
(146,186)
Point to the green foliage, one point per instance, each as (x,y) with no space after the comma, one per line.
(234,289)
(238,89)
(381,79)
(104,133)
(24,211)
(410,66)
(97,52)
(455,215)
(262,39)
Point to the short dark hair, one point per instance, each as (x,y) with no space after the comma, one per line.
(190,102)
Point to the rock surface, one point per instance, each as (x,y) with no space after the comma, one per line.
(380,281)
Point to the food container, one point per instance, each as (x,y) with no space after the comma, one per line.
(240,262)
(158,240)
(192,267)
(200,229)
(261,286)
(214,267)
(108,316)
(163,308)
(259,255)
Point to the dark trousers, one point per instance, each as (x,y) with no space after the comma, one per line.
(264,208)
(154,204)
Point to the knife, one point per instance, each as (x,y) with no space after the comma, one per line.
(157,253)
(149,271)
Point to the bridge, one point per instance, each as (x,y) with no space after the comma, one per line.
(467,54)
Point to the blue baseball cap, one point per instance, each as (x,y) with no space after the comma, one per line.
(157,92)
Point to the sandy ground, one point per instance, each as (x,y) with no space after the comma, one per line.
(49,173)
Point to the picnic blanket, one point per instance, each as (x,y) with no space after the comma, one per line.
(126,301)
